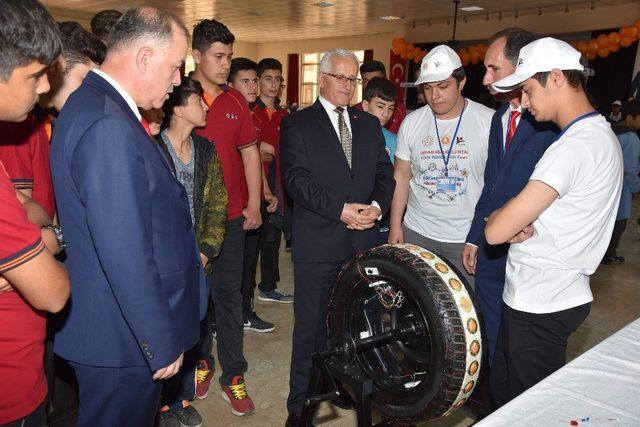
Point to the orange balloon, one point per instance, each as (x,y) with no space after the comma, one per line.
(395,43)
(483,49)
(614,38)
(591,55)
(464,57)
(582,46)
(629,31)
(472,50)
(474,56)
(626,41)
(464,61)
(614,48)
(592,46)
(603,52)
(395,50)
(603,41)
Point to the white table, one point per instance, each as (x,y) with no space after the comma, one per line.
(603,384)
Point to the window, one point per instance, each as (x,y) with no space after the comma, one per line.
(309,78)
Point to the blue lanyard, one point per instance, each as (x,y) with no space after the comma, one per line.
(574,121)
(453,140)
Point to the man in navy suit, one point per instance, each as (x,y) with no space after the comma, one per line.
(516,143)
(341,181)
(131,251)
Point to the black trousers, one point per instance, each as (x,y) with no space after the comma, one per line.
(530,347)
(618,229)
(261,243)
(227,299)
(314,282)
(38,418)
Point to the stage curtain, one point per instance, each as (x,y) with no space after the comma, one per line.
(293,78)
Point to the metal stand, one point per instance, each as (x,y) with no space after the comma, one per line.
(337,364)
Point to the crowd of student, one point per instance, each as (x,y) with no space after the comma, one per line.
(132,174)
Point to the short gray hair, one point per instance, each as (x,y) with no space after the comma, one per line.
(325,62)
(144,23)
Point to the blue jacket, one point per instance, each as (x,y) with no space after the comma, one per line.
(131,252)
(506,174)
(630,145)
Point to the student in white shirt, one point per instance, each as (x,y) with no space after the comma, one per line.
(559,225)
(440,158)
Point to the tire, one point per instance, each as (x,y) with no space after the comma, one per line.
(414,379)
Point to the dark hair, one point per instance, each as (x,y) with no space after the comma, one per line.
(143,23)
(380,87)
(241,64)
(27,33)
(80,46)
(575,78)
(459,74)
(180,97)
(515,39)
(208,32)
(631,108)
(372,66)
(268,64)
(103,22)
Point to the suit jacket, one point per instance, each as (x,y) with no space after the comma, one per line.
(131,251)
(506,174)
(320,182)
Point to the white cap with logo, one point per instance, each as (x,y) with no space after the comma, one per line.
(540,56)
(438,65)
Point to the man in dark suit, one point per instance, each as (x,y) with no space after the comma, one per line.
(516,143)
(131,250)
(340,178)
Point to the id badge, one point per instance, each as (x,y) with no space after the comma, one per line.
(446,185)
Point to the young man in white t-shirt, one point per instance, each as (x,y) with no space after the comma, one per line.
(559,225)
(440,158)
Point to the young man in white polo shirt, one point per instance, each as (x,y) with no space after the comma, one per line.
(560,224)
(440,158)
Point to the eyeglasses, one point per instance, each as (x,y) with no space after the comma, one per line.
(247,81)
(344,79)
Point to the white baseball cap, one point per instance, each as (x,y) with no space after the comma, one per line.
(617,102)
(438,65)
(539,56)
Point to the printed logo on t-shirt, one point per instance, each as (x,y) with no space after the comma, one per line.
(232,116)
(427,141)
(433,174)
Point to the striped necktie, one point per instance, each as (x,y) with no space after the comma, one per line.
(345,135)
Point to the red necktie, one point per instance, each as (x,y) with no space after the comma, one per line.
(512,128)
(145,125)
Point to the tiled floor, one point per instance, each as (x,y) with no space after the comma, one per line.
(617,302)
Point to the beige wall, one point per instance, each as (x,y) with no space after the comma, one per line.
(548,23)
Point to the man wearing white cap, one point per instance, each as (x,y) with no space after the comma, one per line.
(615,114)
(440,159)
(558,226)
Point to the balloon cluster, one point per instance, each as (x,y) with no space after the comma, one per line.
(407,50)
(601,46)
(605,44)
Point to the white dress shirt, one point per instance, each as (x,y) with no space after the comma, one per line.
(333,115)
(123,93)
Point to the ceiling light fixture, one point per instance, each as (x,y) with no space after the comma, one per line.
(472,8)
(391,18)
(323,4)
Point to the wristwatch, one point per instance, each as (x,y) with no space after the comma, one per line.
(57,231)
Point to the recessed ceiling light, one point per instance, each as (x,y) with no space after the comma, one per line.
(472,8)
(391,18)
(323,4)
(256,13)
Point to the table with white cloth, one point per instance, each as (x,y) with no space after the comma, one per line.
(599,388)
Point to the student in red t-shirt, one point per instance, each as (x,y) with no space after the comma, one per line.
(31,280)
(369,70)
(271,115)
(243,76)
(230,126)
